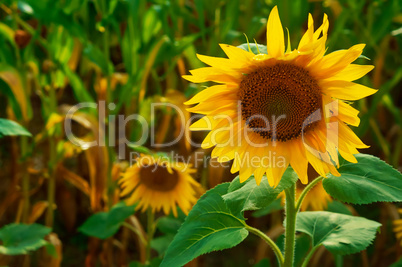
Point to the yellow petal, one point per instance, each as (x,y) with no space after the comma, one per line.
(203,124)
(323,28)
(299,162)
(212,74)
(308,35)
(237,54)
(346,90)
(210,106)
(335,62)
(352,72)
(275,35)
(348,114)
(245,173)
(218,62)
(346,133)
(213,91)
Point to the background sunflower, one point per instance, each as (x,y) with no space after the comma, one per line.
(158,183)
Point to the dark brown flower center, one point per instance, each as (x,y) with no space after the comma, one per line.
(280,102)
(158,178)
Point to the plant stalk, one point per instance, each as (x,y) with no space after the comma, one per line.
(306,190)
(270,242)
(290,231)
(309,255)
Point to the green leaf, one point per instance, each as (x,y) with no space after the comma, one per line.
(397,263)
(250,196)
(261,48)
(274,206)
(209,226)
(161,243)
(169,225)
(339,233)
(370,180)
(11,128)
(105,224)
(338,207)
(79,90)
(95,55)
(155,262)
(21,238)
(263,263)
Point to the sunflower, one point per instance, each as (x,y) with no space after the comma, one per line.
(284,107)
(156,183)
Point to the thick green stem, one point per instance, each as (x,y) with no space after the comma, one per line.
(270,242)
(306,190)
(150,231)
(309,255)
(290,232)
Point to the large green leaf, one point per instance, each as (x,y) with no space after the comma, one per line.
(11,128)
(105,224)
(274,206)
(21,238)
(250,196)
(369,180)
(339,233)
(210,226)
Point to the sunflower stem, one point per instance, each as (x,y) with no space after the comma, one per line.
(290,231)
(306,190)
(270,242)
(309,255)
(150,231)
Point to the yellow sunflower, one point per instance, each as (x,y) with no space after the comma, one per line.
(156,183)
(280,108)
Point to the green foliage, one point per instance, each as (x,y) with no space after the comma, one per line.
(155,262)
(338,207)
(340,234)
(11,128)
(255,48)
(263,263)
(168,226)
(250,196)
(273,206)
(209,226)
(397,263)
(370,180)
(22,238)
(105,224)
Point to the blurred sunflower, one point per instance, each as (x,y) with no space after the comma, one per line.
(398,228)
(157,183)
(287,105)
